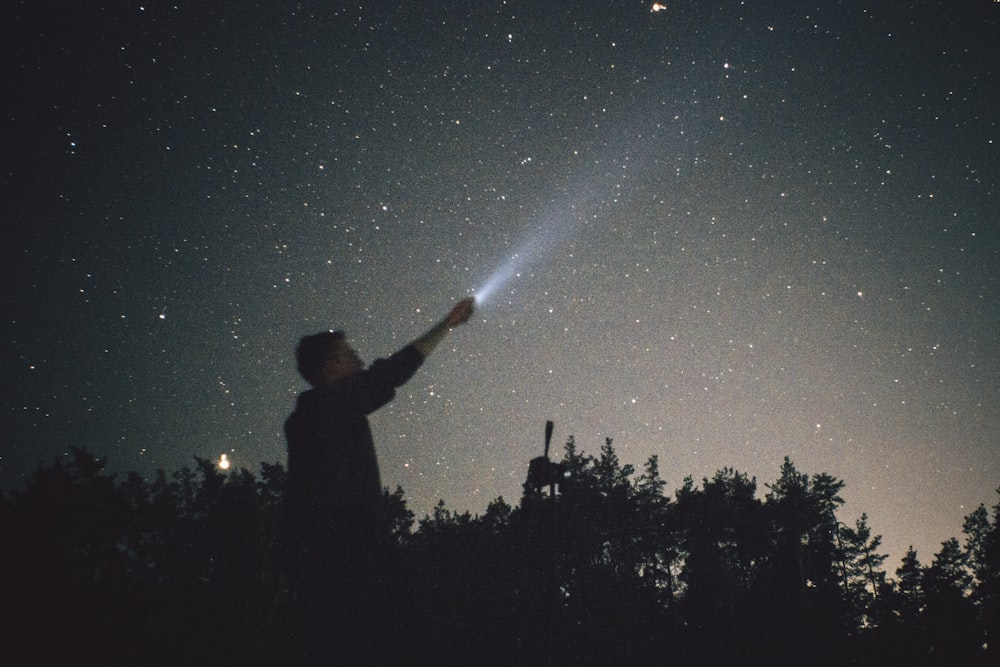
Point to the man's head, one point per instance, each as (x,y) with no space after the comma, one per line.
(326,357)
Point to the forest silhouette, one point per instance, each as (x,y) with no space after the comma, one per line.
(597,566)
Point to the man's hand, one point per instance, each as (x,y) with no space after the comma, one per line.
(461,312)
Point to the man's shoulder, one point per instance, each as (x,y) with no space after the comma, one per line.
(320,401)
(307,403)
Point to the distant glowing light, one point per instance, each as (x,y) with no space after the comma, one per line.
(657,7)
(223,462)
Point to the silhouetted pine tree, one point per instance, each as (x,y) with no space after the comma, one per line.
(723,541)
(950,620)
(862,575)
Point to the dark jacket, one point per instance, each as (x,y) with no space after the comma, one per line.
(334,488)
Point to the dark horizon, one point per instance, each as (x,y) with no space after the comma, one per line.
(197,463)
(600,568)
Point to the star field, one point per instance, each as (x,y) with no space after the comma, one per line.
(727,232)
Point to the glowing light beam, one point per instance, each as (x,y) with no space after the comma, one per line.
(506,271)
(554,228)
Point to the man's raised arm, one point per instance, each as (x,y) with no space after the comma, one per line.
(459,314)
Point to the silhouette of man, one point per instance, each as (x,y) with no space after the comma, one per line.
(334,490)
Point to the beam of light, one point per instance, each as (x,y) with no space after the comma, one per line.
(505,272)
(552,229)
(586,193)
(513,267)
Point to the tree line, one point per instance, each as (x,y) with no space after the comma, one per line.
(599,567)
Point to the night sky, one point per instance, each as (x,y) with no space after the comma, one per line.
(723,233)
